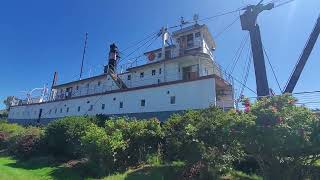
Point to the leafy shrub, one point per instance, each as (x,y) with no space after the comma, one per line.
(283,138)
(203,138)
(63,136)
(27,143)
(101,149)
(143,138)
(8,131)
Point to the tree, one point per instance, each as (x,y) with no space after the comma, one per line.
(204,140)
(283,138)
(8,101)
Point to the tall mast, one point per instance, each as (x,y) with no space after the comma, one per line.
(249,23)
(84,52)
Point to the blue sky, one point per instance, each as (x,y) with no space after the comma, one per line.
(38,37)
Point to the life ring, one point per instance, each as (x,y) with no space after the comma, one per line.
(151,56)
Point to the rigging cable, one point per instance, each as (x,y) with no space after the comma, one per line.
(236,54)
(154,37)
(138,42)
(273,71)
(239,56)
(245,78)
(227,27)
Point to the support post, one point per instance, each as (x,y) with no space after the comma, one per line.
(249,23)
(83,55)
(259,62)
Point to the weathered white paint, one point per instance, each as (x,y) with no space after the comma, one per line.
(197,94)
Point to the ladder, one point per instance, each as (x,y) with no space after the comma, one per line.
(117,79)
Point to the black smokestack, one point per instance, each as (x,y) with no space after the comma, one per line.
(113,57)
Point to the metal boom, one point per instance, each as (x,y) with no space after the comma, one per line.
(303,58)
(249,23)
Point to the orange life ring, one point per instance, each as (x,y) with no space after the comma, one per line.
(151,56)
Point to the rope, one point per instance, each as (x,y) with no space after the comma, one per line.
(273,71)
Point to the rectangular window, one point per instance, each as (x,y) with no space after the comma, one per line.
(103,106)
(159,55)
(197,34)
(91,108)
(141,74)
(67,109)
(121,104)
(172,100)
(78,108)
(60,110)
(190,41)
(99,83)
(55,111)
(143,103)
(129,77)
(153,72)
(160,70)
(168,54)
(50,111)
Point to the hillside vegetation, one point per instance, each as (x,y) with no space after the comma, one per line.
(272,139)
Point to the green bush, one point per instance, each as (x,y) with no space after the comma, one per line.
(27,143)
(7,132)
(63,136)
(203,139)
(143,138)
(283,138)
(101,149)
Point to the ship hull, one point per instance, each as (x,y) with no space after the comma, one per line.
(153,101)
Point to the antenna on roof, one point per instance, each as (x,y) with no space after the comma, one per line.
(182,22)
(84,52)
(196,18)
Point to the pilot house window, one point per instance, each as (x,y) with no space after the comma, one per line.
(190,41)
(197,34)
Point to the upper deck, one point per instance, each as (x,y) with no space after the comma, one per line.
(190,57)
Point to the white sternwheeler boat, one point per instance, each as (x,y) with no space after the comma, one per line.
(180,75)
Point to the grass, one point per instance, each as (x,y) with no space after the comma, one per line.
(12,169)
(47,168)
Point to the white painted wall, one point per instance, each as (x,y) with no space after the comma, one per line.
(198,94)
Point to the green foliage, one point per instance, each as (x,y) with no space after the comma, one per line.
(142,137)
(27,143)
(101,149)
(63,136)
(203,136)
(282,137)
(7,132)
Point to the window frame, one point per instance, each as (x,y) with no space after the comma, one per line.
(172,100)
(141,74)
(121,104)
(91,107)
(142,103)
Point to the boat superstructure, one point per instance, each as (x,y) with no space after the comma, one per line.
(179,76)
